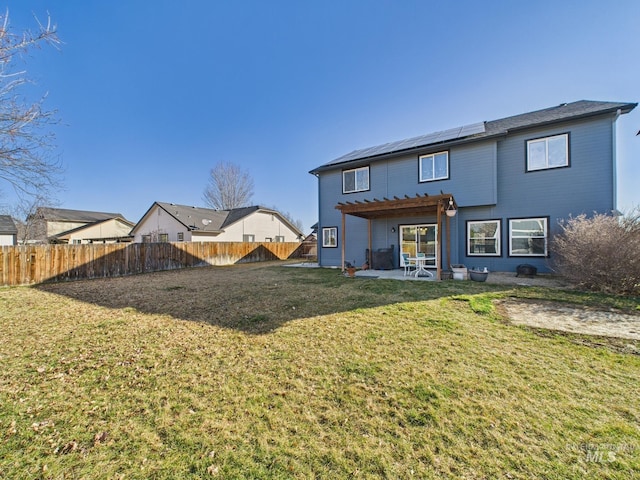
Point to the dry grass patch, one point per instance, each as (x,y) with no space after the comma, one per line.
(271,372)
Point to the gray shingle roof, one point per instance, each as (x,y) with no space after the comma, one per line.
(483,130)
(209,219)
(7,227)
(196,218)
(63,214)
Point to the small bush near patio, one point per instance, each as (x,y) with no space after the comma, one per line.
(600,253)
(288,373)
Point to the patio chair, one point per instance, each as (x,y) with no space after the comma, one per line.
(408,264)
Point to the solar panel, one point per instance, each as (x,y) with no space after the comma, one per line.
(414,142)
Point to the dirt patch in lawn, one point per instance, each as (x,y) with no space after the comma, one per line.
(572,318)
(622,329)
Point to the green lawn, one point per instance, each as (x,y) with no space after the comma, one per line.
(263,371)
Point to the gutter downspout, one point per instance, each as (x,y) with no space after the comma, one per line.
(614,159)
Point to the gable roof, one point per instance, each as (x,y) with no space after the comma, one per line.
(484,130)
(7,226)
(208,219)
(66,215)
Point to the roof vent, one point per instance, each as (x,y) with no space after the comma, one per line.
(563,105)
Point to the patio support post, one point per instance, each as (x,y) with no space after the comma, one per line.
(448,220)
(344,236)
(439,249)
(369,260)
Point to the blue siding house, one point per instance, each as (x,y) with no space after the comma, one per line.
(489,194)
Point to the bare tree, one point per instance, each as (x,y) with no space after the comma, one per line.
(296,222)
(26,142)
(229,187)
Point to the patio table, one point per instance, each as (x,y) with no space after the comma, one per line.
(421,265)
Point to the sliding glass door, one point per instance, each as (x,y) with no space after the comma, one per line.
(416,239)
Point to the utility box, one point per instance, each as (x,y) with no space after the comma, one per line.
(459,272)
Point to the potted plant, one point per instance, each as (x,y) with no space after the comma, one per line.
(478,275)
(350,268)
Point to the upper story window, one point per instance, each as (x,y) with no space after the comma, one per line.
(279,238)
(181,236)
(163,237)
(528,237)
(248,237)
(434,166)
(355,180)
(548,152)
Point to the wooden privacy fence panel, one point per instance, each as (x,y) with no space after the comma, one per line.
(22,265)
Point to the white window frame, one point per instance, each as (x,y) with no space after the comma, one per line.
(496,237)
(360,171)
(544,143)
(280,238)
(163,237)
(431,157)
(330,237)
(544,238)
(249,238)
(181,236)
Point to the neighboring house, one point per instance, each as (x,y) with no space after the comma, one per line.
(8,231)
(112,230)
(505,182)
(59,225)
(168,222)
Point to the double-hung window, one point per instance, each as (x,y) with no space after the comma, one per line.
(434,166)
(355,180)
(528,237)
(548,152)
(483,238)
(330,237)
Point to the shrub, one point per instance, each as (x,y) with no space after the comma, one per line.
(600,253)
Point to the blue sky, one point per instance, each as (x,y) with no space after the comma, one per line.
(152,94)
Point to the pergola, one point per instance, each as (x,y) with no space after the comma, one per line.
(424,205)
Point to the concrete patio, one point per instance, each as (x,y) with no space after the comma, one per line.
(541,280)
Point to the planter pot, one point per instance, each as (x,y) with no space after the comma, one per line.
(478,276)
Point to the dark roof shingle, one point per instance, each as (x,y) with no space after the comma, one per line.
(63,214)
(7,226)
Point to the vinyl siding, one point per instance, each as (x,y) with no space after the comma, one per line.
(262,225)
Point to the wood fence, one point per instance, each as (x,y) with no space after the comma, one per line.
(23,265)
